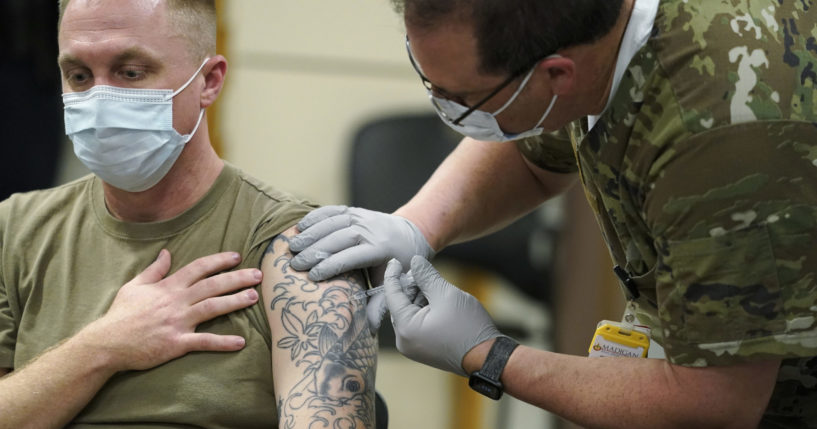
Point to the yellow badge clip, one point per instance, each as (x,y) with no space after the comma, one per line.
(622,339)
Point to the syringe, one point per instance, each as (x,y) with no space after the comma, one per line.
(406,280)
(360,296)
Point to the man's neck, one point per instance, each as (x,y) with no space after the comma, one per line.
(188,180)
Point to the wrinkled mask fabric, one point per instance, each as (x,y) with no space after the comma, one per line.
(125,135)
(481,125)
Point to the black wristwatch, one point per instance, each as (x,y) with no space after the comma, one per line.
(486,380)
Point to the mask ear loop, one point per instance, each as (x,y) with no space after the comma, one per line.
(522,86)
(187,137)
(516,94)
(196,128)
(552,101)
(547,112)
(189,81)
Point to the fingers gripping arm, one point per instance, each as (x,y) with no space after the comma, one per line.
(323,353)
(336,239)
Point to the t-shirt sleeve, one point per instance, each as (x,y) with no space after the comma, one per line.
(285,215)
(734,216)
(8,326)
(550,151)
(270,223)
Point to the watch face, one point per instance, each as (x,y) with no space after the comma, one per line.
(487,390)
(484,386)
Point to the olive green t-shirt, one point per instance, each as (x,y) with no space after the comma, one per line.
(702,172)
(63,258)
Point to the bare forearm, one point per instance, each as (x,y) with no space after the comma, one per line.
(637,393)
(53,389)
(479,188)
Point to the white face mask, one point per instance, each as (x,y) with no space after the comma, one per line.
(126,136)
(481,125)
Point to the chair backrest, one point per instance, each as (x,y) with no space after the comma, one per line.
(381,417)
(393,156)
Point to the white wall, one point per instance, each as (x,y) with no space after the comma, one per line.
(303,75)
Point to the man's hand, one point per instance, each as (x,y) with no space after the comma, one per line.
(153,319)
(442,332)
(336,239)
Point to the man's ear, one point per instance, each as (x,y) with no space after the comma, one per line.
(562,74)
(214,72)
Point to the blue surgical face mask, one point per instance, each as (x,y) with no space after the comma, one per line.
(126,136)
(481,125)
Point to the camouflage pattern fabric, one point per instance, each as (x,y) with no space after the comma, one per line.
(552,152)
(703,176)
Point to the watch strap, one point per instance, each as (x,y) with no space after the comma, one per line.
(497,357)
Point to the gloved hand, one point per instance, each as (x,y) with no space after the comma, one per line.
(336,239)
(441,333)
(376,307)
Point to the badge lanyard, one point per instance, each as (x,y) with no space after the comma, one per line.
(625,338)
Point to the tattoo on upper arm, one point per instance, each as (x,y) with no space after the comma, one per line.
(328,338)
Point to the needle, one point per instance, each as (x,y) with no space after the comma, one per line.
(360,296)
(407,279)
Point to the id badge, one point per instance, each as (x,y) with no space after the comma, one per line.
(613,339)
(622,339)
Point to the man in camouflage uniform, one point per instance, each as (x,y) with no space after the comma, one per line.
(692,126)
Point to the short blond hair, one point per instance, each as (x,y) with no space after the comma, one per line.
(196,21)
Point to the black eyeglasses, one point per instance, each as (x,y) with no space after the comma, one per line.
(430,87)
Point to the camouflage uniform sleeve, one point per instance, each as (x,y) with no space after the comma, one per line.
(552,151)
(734,216)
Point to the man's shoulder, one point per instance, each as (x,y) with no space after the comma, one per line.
(25,205)
(265,201)
(734,62)
(29,217)
(708,22)
(266,209)
(264,191)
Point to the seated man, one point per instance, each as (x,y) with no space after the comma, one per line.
(190,349)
